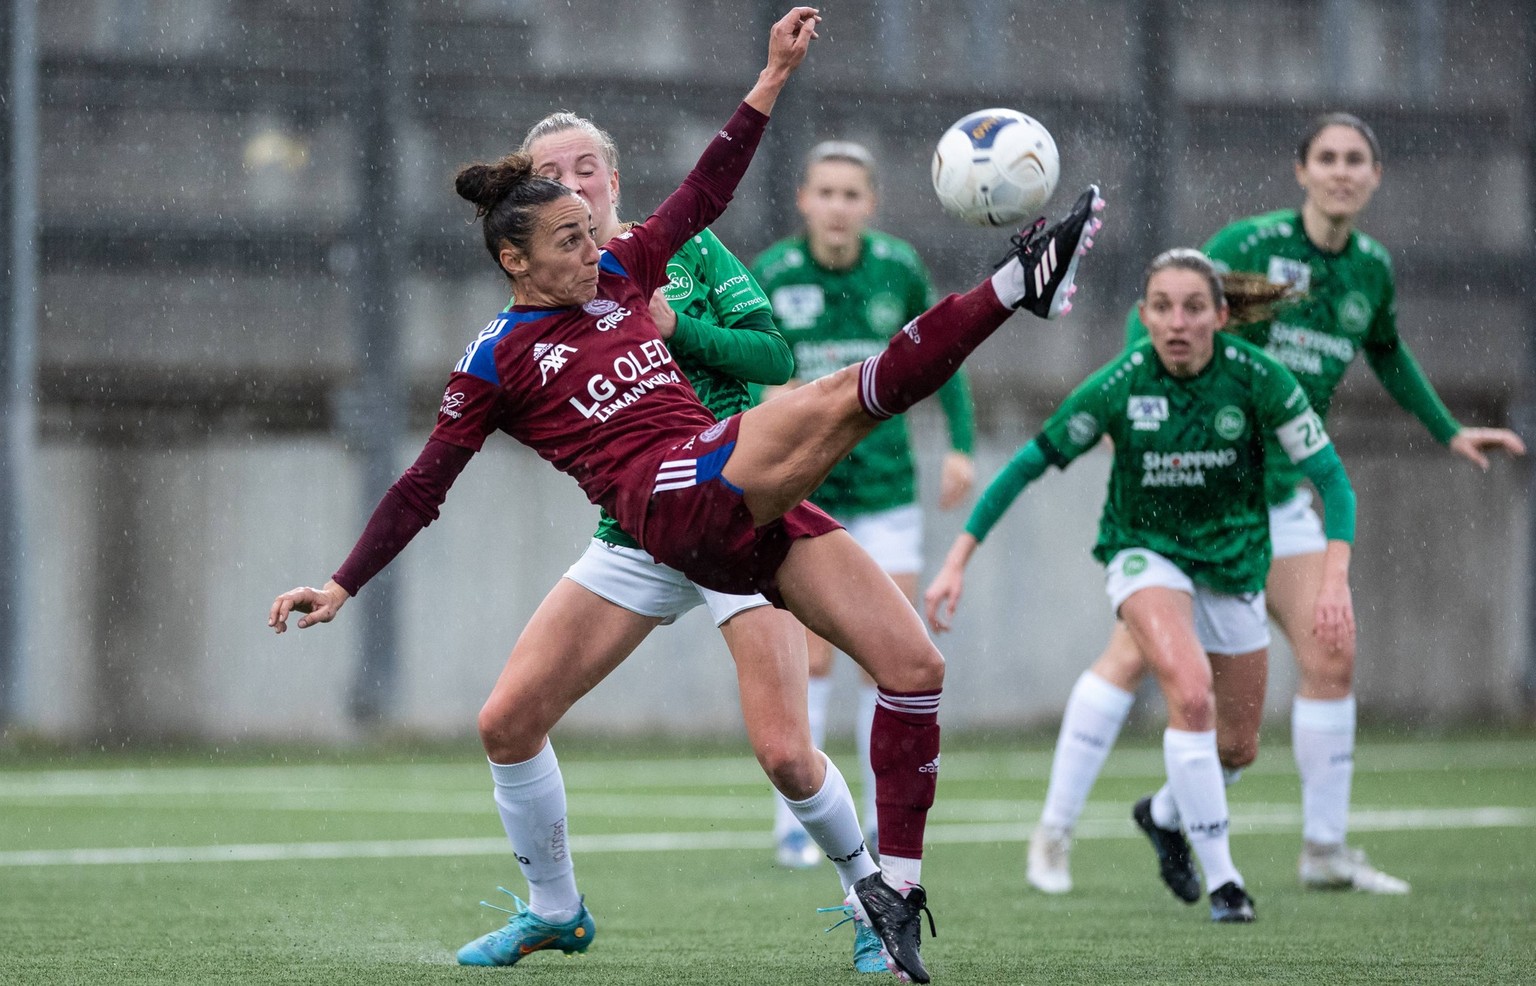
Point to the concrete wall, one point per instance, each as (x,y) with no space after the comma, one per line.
(154,570)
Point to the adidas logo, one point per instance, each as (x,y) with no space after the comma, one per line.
(1046,267)
(551,357)
(931,767)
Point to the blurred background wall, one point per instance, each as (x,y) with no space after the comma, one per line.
(253,277)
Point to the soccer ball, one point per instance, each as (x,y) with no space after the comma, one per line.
(994,167)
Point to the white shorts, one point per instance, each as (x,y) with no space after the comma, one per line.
(631,578)
(1295,528)
(893,538)
(1224,623)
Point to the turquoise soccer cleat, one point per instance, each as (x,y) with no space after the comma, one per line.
(868,953)
(526,933)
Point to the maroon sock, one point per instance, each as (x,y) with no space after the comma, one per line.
(904,752)
(928,350)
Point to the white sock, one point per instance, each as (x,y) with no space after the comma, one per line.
(901,874)
(1095,712)
(1165,812)
(817,693)
(531,799)
(1323,739)
(1194,774)
(1008,283)
(863,726)
(829,818)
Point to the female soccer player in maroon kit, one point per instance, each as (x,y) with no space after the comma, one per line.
(577,372)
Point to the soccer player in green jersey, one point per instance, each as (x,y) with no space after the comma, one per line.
(1344,305)
(1184,538)
(840,290)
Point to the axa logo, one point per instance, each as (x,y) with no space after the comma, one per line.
(453,402)
(551,357)
(931,767)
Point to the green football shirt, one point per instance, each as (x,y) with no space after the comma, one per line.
(833,318)
(1346,306)
(1187,478)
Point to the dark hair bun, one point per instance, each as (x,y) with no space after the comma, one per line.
(487,184)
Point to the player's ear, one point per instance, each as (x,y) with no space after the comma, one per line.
(513,260)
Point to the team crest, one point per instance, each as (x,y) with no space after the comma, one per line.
(1354,313)
(1082,428)
(1133,565)
(1230,422)
(679,283)
(885,313)
(600,306)
(715,431)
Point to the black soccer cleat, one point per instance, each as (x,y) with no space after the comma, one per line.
(1049,256)
(1173,860)
(898,922)
(1230,904)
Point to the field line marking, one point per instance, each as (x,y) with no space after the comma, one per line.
(1374,820)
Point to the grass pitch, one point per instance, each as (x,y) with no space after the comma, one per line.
(203,868)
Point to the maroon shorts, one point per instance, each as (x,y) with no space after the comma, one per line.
(699,524)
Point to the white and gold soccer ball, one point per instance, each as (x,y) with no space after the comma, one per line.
(995,167)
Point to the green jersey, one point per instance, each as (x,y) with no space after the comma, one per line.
(1346,304)
(725,337)
(833,318)
(1188,474)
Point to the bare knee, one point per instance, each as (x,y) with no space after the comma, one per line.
(500,734)
(1237,753)
(795,771)
(1191,706)
(921,670)
(1327,672)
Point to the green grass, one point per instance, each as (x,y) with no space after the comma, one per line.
(1456,816)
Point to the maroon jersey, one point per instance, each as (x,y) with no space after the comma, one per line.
(592,388)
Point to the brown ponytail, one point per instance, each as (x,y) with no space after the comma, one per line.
(1249,297)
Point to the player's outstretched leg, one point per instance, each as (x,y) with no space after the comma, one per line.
(1038,272)
(526,933)
(898,921)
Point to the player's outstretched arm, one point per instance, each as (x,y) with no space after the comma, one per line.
(318,606)
(788,41)
(1471,443)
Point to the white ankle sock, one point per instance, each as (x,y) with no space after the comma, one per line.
(1008,283)
(530,796)
(901,874)
(1194,774)
(1095,712)
(1323,740)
